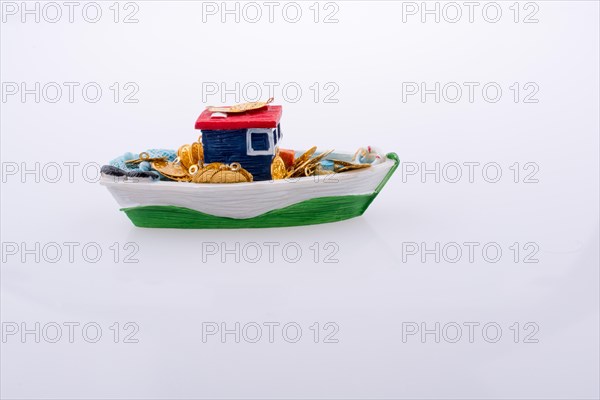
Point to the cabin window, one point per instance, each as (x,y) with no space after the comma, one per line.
(260,142)
(277,134)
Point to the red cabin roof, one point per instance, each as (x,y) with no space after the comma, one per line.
(267,117)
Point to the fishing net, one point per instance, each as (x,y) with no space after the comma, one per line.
(120,162)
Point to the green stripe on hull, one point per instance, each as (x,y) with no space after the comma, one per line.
(310,212)
(314,211)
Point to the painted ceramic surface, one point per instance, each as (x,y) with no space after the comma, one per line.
(302,201)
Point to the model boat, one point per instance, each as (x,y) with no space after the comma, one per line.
(237,176)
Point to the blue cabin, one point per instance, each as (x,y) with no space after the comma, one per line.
(249,138)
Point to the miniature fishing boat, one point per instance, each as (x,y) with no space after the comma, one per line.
(237,176)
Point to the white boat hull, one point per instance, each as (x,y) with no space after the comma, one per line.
(245,200)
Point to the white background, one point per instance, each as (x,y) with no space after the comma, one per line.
(375,288)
